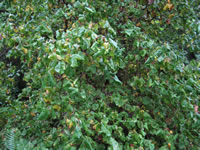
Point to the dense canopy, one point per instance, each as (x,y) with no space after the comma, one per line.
(99,74)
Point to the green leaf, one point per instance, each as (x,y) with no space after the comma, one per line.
(161,58)
(117,79)
(89,143)
(105,130)
(118,100)
(106,24)
(114,144)
(60,67)
(78,132)
(43,115)
(75,58)
(83,94)
(163,148)
(81,31)
(129,31)
(92,10)
(111,30)
(113,43)
(51,79)
(143,53)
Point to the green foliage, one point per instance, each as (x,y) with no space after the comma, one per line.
(99,74)
(10,141)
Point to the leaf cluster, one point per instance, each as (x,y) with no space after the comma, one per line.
(95,75)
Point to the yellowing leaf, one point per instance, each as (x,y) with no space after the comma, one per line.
(91,121)
(73,25)
(25,50)
(169,145)
(69,123)
(90,25)
(167,60)
(138,24)
(165,7)
(94,127)
(58,57)
(47,100)
(7,91)
(33,114)
(57,107)
(61,134)
(27,8)
(170,16)
(67,57)
(15,30)
(10,79)
(47,91)
(50,5)
(168,6)
(106,45)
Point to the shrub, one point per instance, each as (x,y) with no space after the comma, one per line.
(100,74)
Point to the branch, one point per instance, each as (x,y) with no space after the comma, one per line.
(3,10)
(3,53)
